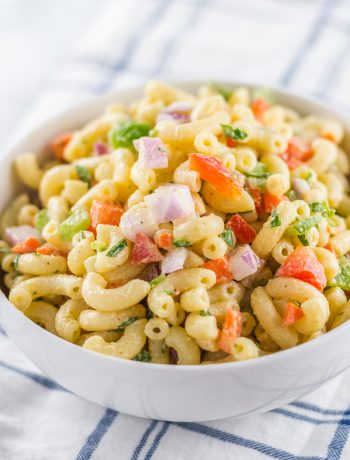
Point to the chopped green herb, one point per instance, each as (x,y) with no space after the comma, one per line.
(182,243)
(204,313)
(76,222)
(15,262)
(225,93)
(343,277)
(227,236)
(234,133)
(117,248)
(303,240)
(169,292)
(98,246)
(144,356)
(127,132)
(322,208)
(275,219)
(301,226)
(126,323)
(41,219)
(83,174)
(308,176)
(292,196)
(153,283)
(257,182)
(260,171)
(153,132)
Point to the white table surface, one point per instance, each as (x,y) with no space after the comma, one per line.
(36,39)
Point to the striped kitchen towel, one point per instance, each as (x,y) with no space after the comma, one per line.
(300,43)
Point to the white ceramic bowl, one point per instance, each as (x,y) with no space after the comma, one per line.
(174,393)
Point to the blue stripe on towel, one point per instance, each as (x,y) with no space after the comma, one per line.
(157,440)
(339,440)
(37,378)
(94,439)
(243,442)
(144,439)
(319,410)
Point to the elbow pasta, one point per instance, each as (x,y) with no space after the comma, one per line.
(225,214)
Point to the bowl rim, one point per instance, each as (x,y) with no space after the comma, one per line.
(9,151)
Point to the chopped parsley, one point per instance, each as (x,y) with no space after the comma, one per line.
(153,283)
(301,226)
(144,356)
(303,240)
(260,171)
(234,133)
(125,134)
(98,246)
(41,219)
(275,219)
(169,292)
(222,90)
(227,236)
(204,313)
(117,248)
(84,174)
(15,262)
(322,208)
(182,243)
(126,323)
(343,277)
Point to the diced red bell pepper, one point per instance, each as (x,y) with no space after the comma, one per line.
(259,107)
(271,201)
(303,264)
(291,314)
(30,244)
(221,269)
(49,250)
(145,250)
(230,142)
(231,330)
(298,151)
(59,143)
(258,200)
(165,240)
(242,230)
(105,212)
(212,170)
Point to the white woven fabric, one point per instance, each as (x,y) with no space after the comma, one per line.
(299,43)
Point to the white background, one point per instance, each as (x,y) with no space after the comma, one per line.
(36,39)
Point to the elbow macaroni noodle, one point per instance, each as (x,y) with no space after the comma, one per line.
(109,263)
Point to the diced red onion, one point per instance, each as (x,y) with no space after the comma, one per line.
(15,235)
(174,260)
(152,152)
(300,186)
(177,111)
(243,262)
(100,148)
(135,220)
(170,202)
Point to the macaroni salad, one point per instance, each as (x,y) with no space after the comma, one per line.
(184,229)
